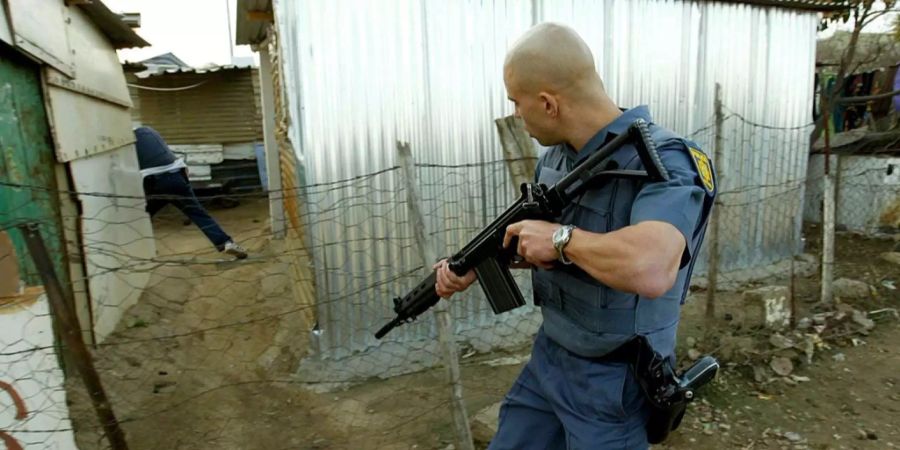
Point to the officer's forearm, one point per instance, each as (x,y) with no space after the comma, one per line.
(640,258)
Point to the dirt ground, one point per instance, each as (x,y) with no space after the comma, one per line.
(204,362)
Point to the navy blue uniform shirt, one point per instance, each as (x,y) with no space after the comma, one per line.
(581,313)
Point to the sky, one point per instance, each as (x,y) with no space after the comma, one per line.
(197,31)
(882,24)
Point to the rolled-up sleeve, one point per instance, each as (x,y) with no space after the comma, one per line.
(677,201)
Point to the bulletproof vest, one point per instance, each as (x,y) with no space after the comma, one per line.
(582,314)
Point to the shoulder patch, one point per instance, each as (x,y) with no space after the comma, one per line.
(704,168)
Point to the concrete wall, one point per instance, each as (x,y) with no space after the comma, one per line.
(867,192)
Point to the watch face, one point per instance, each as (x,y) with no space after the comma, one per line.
(557,236)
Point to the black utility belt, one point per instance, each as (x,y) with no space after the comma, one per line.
(625,353)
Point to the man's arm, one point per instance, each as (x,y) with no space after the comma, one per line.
(642,258)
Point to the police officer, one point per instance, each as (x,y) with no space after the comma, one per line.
(617,265)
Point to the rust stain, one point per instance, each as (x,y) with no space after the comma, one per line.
(9,441)
(21,412)
(21,302)
(303,287)
(891,215)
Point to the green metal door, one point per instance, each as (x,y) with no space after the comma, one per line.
(28,190)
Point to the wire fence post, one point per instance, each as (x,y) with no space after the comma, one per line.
(441,310)
(827,218)
(71,336)
(713,269)
(518,150)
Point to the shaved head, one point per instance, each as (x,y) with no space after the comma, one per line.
(550,77)
(551,57)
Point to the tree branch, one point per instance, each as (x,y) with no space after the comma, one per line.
(868,20)
(866,98)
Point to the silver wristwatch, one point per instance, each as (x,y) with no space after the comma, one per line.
(560,238)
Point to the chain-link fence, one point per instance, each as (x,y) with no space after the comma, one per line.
(196,350)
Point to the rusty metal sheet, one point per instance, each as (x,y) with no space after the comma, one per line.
(117,235)
(40,28)
(222,107)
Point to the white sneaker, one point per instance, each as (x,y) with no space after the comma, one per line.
(234,250)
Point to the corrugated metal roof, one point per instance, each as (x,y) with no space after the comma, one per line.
(198,70)
(165,59)
(221,106)
(251,31)
(112,25)
(803,5)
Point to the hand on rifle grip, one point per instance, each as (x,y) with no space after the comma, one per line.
(449,283)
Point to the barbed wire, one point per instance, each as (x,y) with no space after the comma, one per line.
(767,127)
(221,329)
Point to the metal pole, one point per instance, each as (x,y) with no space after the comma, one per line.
(713,269)
(71,336)
(441,311)
(230,42)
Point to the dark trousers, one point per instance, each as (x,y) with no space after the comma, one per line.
(174,188)
(564,401)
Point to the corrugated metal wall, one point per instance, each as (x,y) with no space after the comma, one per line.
(764,59)
(224,109)
(431,73)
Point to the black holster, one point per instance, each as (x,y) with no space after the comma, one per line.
(667,393)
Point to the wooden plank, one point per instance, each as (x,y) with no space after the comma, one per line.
(428,255)
(9,267)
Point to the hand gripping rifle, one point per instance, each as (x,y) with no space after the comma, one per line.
(486,254)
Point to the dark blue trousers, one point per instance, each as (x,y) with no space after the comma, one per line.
(564,401)
(174,188)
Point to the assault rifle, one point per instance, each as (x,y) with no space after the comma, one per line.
(486,254)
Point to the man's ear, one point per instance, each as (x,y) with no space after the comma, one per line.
(551,104)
